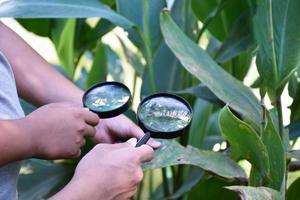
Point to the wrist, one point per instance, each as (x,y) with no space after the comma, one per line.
(71,192)
(26,137)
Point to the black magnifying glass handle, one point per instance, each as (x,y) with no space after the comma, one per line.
(143,140)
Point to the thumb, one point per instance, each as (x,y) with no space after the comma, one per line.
(132,141)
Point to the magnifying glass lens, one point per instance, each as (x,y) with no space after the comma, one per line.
(106,98)
(164,114)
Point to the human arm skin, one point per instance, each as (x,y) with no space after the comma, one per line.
(39,83)
(108,171)
(53,131)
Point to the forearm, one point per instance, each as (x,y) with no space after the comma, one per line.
(15,141)
(37,81)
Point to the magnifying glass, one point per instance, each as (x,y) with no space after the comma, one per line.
(163,115)
(107,99)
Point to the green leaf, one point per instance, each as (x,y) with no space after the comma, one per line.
(255,193)
(194,176)
(295,107)
(221,23)
(134,58)
(239,40)
(61,9)
(277,34)
(245,142)
(212,188)
(172,153)
(165,65)
(44,179)
(146,23)
(41,27)
(201,65)
(276,153)
(114,65)
(294,154)
(294,130)
(198,130)
(98,71)
(63,38)
(293,190)
(203,92)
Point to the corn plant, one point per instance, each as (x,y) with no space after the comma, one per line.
(202,50)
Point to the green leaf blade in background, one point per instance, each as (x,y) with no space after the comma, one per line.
(221,23)
(45,178)
(276,153)
(99,67)
(63,38)
(171,153)
(245,142)
(256,193)
(293,190)
(201,65)
(276,27)
(61,9)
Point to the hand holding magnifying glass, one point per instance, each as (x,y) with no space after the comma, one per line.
(161,115)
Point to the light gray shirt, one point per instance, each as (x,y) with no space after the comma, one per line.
(10,108)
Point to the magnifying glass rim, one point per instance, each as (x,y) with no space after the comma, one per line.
(164,134)
(111,113)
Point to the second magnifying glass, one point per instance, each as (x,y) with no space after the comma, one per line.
(163,115)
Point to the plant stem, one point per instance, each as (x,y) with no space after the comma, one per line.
(263,115)
(165,182)
(210,18)
(280,119)
(147,42)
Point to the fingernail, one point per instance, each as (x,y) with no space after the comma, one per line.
(132,141)
(155,143)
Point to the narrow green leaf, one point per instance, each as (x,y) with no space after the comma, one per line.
(239,40)
(212,188)
(60,9)
(98,71)
(45,177)
(63,38)
(203,92)
(276,31)
(147,24)
(293,190)
(295,107)
(245,142)
(194,176)
(294,154)
(276,153)
(294,130)
(41,27)
(133,58)
(201,65)
(198,130)
(114,65)
(221,23)
(255,193)
(172,153)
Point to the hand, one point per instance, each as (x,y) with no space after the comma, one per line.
(57,130)
(108,171)
(119,129)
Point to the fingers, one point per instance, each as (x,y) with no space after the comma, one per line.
(89,131)
(144,153)
(135,131)
(132,141)
(90,118)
